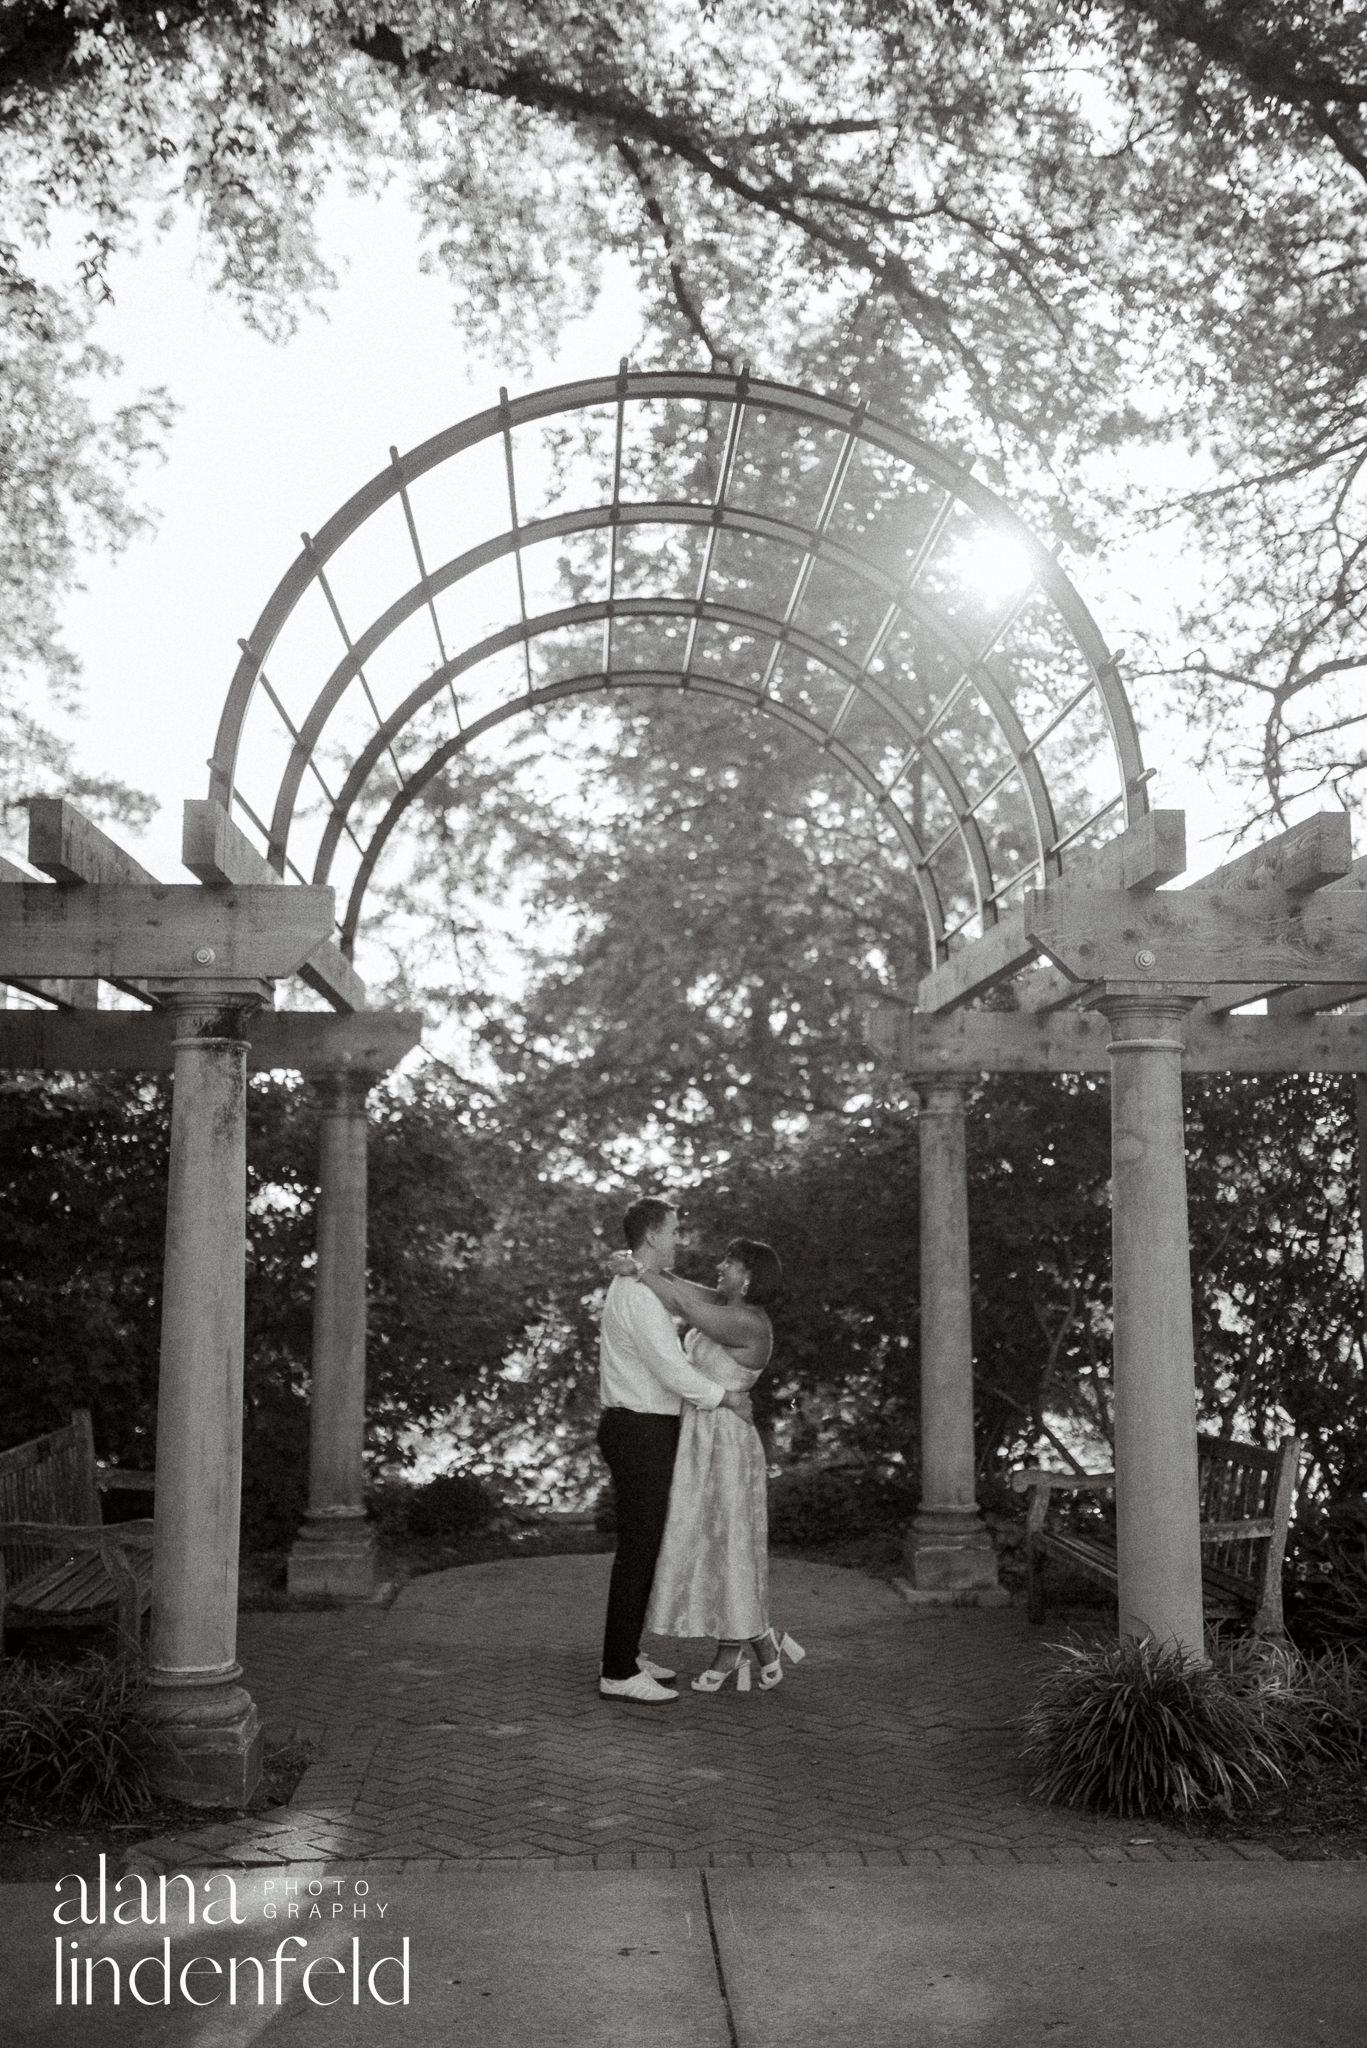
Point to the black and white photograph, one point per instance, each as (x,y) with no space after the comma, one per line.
(683,1024)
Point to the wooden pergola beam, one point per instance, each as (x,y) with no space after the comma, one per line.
(1197,937)
(1316,854)
(215,849)
(977,1042)
(64,844)
(163,932)
(67,995)
(1151,851)
(1312,855)
(139,1041)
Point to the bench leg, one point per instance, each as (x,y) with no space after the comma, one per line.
(1034,1582)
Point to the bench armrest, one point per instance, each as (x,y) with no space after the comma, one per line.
(1236,1532)
(80,1535)
(1053,1482)
(131,1482)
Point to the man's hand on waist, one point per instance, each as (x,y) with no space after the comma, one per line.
(739,1404)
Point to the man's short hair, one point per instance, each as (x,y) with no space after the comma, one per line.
(644,1216)
(764,1268)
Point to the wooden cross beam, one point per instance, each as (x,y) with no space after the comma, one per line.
(63,843)
(178,932)
(1150,851)
(1316,854)
(222,856)
(1311,855)
(139,1041)
(67,995)
(1193,936)
(970,1043)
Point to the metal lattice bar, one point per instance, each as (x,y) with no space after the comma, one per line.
(835,484)
(615,522)
(236,797)
(913,606)
(320,577)
(733,431)
(423,578)
(290,727)
(506,420)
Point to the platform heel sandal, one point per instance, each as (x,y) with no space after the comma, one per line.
(771,1674)
(715,1677)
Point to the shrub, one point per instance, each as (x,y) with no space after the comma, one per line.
(1138,1728)
(1315,1708)
(71,1740)
(452,1504)
(1326,1602)
(605,1511)
(826,1504)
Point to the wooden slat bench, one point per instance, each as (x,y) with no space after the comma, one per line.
(1246,1495)
(60,1564)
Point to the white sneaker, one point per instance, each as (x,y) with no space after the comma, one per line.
(658,1672)
(641,1687)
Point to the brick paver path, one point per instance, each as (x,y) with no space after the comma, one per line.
(464,1724)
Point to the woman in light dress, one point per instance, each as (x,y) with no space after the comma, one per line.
(712,1578)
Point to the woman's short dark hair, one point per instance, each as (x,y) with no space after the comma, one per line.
(763,1266)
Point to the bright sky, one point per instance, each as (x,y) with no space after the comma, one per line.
(270,439)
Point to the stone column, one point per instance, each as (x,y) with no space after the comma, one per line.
(207,1735)
(948,1551)
(335,1549)
(1157,1496)
(1360,1105)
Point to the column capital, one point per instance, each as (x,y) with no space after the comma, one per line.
(343,1085)
(1146,1019)
(938,1094)
(210,1010)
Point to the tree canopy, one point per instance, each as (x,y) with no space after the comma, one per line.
(1114,247)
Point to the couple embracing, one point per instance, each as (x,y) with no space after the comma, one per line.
(687,1464)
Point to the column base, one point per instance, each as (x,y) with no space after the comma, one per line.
(336,1555)
(949,1553)
(974,1596)
(204,1742)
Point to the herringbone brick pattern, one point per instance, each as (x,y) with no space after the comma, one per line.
(465,1723)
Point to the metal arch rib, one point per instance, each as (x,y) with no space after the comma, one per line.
(843,666)
(707,387)
(647,679)
(758,525)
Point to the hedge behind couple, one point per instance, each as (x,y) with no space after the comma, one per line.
(688,1468)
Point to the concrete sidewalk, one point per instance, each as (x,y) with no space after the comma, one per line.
(464,1724)
(849,1859)
(1238,1956)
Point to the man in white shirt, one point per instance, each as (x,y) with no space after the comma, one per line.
(644,1379)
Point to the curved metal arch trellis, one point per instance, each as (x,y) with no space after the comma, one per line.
(749,541)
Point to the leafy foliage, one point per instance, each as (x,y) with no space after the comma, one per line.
(825,1504)
(64,495)
(1139,1728)
(450,1505)
(1327,1576)
(1060,236)
(82,1218)
(72,1746)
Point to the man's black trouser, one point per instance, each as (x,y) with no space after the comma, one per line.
(639,1450)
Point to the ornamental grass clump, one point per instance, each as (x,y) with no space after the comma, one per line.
(71,1741)
(1313,1708)
(1138,1728)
